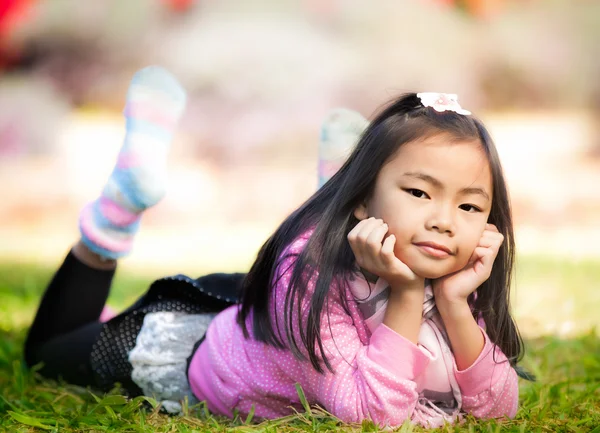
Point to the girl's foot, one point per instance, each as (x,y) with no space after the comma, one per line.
(339,134)
(155,102)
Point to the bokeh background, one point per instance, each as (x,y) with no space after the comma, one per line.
(261,76)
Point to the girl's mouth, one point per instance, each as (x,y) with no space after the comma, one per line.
(434,250)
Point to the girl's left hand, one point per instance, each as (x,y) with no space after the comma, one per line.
(458,286)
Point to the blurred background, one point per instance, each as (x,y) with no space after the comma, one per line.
(261,76)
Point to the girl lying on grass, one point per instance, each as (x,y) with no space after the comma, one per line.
(385,296)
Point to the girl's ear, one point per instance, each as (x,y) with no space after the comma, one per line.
(361,212)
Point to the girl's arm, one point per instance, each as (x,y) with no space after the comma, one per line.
(375,253)
(486,379)
(466,338)
(404,312)
(374,377)
(373,380)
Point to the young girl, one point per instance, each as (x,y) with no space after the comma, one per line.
(385,296)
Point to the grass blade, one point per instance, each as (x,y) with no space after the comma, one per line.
(30,421)
(303,400)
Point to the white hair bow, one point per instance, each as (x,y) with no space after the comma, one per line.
(441,102)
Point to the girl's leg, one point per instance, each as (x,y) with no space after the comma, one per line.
(67,324)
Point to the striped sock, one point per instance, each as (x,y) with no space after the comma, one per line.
(155,101)
(339,134)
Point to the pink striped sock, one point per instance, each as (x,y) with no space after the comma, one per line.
(155,102)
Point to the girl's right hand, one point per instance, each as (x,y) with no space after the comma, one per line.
(376,255)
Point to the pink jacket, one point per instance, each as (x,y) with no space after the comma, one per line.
(376,373)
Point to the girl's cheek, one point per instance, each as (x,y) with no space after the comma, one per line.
(466,254)
(402,254)
(462,262)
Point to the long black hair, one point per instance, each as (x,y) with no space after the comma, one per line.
(330,211)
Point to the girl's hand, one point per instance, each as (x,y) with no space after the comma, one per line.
(376,255)
(456,287)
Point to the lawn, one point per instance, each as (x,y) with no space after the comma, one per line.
(566,396)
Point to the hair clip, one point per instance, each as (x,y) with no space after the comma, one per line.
(441,102)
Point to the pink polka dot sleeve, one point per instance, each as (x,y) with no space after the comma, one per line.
(374,378)
(489,387)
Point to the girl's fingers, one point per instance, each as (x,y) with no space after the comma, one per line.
(366,239)
(358,228)
(492,233)
(366,228)
(353,240)
(473,258)
(387,249)
(375,238)
(357,236)
(492,228)
(485,260)
(374,251)
(491,237)
(491,240)
(478,253)
(352,234)
(363,233)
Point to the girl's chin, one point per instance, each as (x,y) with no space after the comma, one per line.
(431,274)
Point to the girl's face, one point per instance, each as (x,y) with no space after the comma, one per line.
(436,196)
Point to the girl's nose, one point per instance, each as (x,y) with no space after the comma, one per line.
(442,221)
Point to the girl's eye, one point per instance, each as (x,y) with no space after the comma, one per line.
(469,208)
(417,193)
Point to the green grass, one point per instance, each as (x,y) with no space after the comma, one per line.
(566,396)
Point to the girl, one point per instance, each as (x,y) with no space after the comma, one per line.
(385,295)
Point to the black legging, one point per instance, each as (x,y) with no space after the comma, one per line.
(66,325)
(71,343)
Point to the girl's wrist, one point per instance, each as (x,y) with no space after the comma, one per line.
(415,286)
(404,313)
(453,308)
(406,295)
